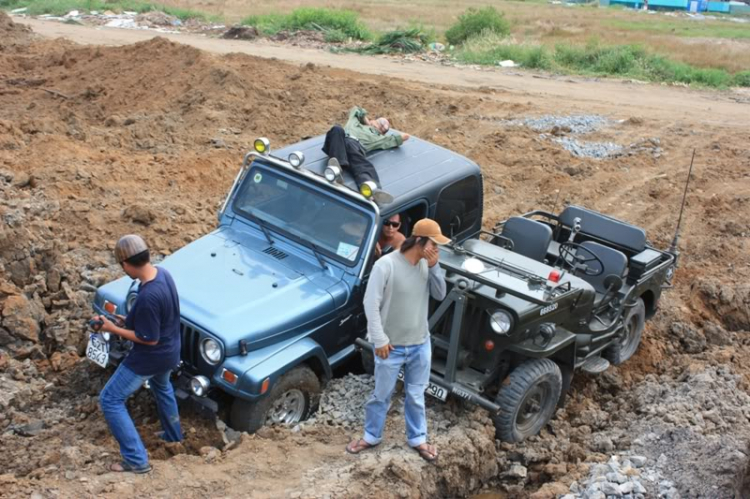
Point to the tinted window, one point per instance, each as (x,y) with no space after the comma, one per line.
(458,207)
(290,207)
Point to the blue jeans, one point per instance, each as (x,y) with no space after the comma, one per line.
(415,360)
(122,385)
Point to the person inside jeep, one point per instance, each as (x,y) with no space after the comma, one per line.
(390,237)
(348,146)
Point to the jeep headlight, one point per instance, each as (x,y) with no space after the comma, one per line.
(501,322)
(211,351)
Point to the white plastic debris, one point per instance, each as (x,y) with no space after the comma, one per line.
(507,64)
(72,13)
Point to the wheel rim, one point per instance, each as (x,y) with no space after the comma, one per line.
(531,408)
(628,340)
(287,409)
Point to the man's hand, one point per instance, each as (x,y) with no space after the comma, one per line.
(405,136)
(107,325)
(383,352)
(431,254)
(378,250)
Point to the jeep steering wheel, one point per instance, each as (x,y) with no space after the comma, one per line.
(569,255)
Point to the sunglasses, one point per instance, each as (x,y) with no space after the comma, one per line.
(388,223)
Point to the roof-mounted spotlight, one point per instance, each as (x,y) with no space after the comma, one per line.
(262,146)
(333,174)
(296,159)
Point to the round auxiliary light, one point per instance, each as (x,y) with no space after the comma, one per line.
(331,173)
(501,322)
(262,145)
(367,188)
(199,386)
(211,351)
(473,265)
(296,159)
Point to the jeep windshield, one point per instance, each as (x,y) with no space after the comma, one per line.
(286,206)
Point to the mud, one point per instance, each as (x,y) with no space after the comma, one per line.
(100,141)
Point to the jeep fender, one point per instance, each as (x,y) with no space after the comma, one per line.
(272,362)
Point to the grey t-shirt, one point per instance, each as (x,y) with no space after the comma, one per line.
(396,300)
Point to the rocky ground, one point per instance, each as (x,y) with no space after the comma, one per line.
(99,141)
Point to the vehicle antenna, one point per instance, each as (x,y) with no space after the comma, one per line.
(673,249)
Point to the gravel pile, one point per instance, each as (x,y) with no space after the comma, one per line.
(584,123)
(596,150)
(620,477)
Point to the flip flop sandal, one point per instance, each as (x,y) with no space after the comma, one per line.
(359,446)
(428,453)
(123,467)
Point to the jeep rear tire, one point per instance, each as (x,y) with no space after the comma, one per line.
(528,401)
(293,398)
(634,322)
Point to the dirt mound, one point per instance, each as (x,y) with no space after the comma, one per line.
(11,34)
(96,142)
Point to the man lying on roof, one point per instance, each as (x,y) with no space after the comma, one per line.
(348,147)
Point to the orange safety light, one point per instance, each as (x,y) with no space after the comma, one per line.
(229,377)
(554,276)
(110,307)
(489,345)
(264,385)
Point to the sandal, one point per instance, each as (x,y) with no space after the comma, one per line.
(427,452)
(357,446)
(123,467)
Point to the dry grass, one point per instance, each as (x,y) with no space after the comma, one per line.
(702,44)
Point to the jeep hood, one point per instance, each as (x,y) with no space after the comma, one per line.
(232,285)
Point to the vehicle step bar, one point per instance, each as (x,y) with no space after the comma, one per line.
(453,388)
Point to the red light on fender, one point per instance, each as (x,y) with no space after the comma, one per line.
(110,307)
(264,385)
(489,345)
(229,377)
(554,276)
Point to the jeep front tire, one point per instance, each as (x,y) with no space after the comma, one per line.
(528,400)
(293,398)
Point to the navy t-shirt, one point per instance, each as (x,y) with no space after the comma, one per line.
(155,316)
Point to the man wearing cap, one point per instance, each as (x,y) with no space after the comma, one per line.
(153,325)
(396,304)
(348,146)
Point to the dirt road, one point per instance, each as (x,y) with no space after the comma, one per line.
(569,94)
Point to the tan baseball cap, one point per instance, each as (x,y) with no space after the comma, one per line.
(129,246)
(429,228)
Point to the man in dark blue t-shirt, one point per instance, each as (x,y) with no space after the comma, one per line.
(153,325)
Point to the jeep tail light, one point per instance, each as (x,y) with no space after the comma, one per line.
(264,385)
(554,276)
(229,377)
(489,345)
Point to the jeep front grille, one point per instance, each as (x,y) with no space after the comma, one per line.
(190,345)
(276,253)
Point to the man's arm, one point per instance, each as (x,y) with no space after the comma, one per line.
(359,114)
(109,327)
(436,280)
(388,141)
(372,303)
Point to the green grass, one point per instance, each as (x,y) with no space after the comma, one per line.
(476,21)
(62,7)
(692,29)
(629,61)
(399,41)
(343,22)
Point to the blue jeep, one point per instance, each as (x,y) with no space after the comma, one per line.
(271,300)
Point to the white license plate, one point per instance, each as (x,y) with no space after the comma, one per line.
(97,350)
(433,390)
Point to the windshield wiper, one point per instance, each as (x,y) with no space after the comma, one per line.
(261,224)
(316,251)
